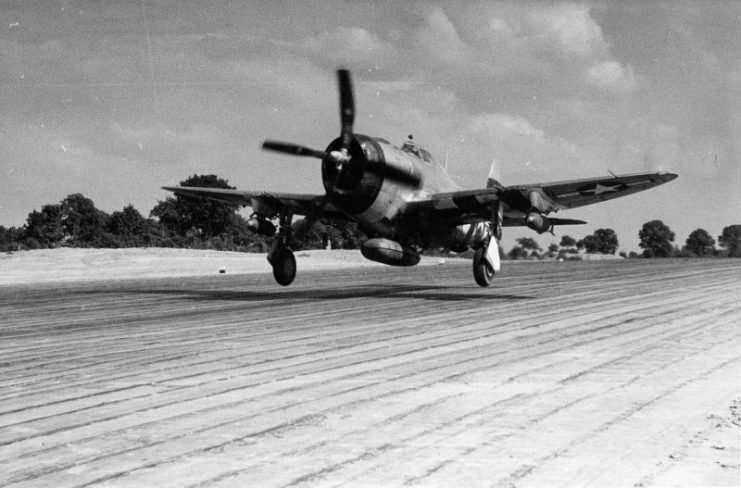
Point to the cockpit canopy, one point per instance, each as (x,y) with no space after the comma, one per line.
(412,148)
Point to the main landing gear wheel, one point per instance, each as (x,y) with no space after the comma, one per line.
(284,266)
(483,273)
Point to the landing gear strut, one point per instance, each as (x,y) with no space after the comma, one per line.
(281,257)
(486,259)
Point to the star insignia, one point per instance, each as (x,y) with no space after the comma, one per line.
(599,189)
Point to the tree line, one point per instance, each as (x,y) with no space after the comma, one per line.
(208,224)
(656,240)
(178,222)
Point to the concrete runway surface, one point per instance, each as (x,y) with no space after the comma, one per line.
(561,374)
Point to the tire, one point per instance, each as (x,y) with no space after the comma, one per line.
(483,273)
(284,267)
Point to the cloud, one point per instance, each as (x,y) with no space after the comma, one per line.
(611,75)
(499,125)
(572,27)
(352,46)
(527,151)
(439,39)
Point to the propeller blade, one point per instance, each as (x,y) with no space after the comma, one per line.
(347,107)
(293,149)
(396,174)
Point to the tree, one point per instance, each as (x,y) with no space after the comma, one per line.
(731,240)
(656,239)
(129,228)
(567,241)
(83,223)
(603,241)
(339,233)
(607,241)
(529,244)
(10,238)
(45,226)
(308,235)
(700,243)
(590,244)
(552,250)
(127,224)
(517,252)
(209,218)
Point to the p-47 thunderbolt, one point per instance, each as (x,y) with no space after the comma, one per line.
(406,202)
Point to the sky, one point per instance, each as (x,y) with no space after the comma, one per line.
(114,99)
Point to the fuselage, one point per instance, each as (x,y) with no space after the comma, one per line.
(379,204)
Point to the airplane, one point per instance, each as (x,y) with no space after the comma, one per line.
(406,202)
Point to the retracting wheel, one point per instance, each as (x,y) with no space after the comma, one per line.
(483,272)
(284,266)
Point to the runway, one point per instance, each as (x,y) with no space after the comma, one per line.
(560,374)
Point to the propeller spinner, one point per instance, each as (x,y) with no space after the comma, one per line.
(342,153)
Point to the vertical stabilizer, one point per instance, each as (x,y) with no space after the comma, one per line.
(494,175)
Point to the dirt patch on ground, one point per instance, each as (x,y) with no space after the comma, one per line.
(52,265)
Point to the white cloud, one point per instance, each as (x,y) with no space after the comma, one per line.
(611,75)
(499,125)
(351,46)
(572,27)
(440,39)
(500,27)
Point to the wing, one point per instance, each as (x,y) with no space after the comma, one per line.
(547,197)
(470,206)
(267,204)
(475,205)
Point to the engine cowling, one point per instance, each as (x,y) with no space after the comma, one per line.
(539,223)
(389,252)
(350,187)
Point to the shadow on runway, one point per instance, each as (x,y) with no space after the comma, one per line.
(423,292)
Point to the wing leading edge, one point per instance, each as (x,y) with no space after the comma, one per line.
(269,204)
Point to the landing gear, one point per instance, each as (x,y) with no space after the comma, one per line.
(486,262)
(284,265)
(281,257)
(486,259)
(483,272)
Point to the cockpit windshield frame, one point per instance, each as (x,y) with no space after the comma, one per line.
(419,152)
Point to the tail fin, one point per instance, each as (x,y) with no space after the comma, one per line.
(493,180)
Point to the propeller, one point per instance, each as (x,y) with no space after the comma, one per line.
(293,149)
(343,155)
(347,107)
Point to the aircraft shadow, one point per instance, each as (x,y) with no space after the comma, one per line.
(423,292)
